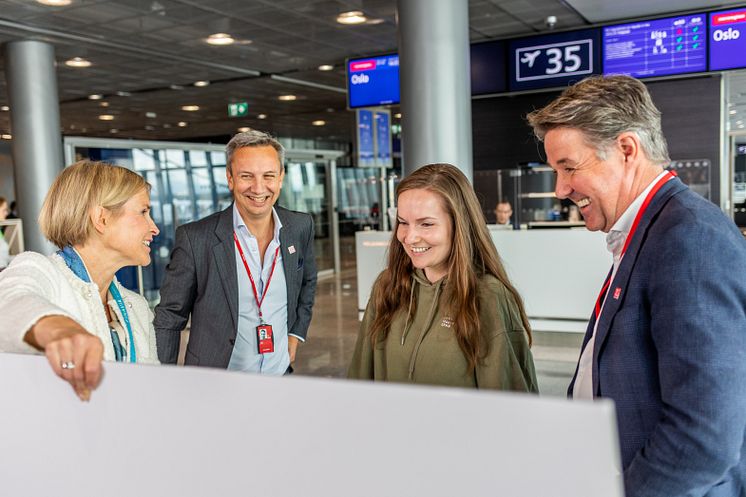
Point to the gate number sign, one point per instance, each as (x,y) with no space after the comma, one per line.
(556,60)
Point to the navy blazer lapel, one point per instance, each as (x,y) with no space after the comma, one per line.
(618,287)
(225,260)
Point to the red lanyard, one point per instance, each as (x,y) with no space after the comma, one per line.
(253,285)
(643,207)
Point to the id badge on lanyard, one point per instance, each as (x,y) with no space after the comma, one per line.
(265,339)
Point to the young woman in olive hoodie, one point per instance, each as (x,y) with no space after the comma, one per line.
(443,312)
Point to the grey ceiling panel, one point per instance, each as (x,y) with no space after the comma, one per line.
(599,11)
(145,46)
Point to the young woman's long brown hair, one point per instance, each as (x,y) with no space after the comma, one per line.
(472,254)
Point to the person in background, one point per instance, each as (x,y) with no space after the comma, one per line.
(667,338)
(246,275)
(4,249)
(503,212)
(69,305)
(443,312)
(13,214)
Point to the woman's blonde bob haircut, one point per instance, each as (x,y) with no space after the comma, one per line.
(65,216)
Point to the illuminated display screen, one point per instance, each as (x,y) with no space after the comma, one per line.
(661,47)
(727,39)
(553,60)
(373,81)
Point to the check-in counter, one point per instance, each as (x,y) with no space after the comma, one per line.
(558,272)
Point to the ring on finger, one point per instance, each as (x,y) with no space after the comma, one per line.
(67,365)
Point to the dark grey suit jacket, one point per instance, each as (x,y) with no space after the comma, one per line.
(201,280)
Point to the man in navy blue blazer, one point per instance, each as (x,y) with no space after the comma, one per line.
(667,336)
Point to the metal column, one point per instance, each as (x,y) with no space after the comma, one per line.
(35,125)
(435,83)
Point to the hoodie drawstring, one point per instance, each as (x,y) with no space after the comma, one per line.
(425,328)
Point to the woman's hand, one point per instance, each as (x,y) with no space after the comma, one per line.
(74,354)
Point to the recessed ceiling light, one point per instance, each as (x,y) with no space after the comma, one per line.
(220,39)
(78,62)
(734,111)
(262,116)
(287,98)
(182,124)
(166,125)
(55,3)
(190,108)
(124,93)
(244,129)
(151,115)
(114,131)
(176,87)
(4,108)
(326,67)
(104,104)
(319,122)
(95,96)
(397,115)
(351,17)
(6,137)
(106,117)
(201,83)
(149,128)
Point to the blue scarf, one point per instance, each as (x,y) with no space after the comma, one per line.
(76,265)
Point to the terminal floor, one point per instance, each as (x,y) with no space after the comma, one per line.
(334,328)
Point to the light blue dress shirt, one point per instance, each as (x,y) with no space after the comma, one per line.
(274,307)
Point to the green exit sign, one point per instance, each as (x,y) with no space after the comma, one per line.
(238,109)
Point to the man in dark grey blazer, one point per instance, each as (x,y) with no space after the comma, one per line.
(666,339)
(246,275)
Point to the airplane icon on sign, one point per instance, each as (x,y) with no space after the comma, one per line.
(530,57)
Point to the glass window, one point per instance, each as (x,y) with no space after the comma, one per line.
(174,159)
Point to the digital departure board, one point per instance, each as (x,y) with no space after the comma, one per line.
(373,81)
(674,45)
(728,39)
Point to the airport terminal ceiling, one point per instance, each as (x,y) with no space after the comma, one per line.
(146,56)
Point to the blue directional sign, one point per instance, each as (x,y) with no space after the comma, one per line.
(553,60)
(383,138)
(365,142)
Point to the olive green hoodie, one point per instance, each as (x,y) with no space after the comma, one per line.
(423,348)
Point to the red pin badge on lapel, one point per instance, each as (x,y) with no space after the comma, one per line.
(617,292)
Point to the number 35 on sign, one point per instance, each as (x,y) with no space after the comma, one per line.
(557,60)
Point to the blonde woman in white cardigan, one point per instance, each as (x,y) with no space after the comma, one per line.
(70,305)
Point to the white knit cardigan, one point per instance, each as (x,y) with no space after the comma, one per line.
(34,286)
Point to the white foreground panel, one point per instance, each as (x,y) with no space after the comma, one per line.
(193,432)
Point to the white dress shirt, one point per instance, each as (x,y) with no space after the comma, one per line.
(615,239)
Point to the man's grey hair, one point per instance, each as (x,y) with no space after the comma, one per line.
(253,138)
(602,108)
